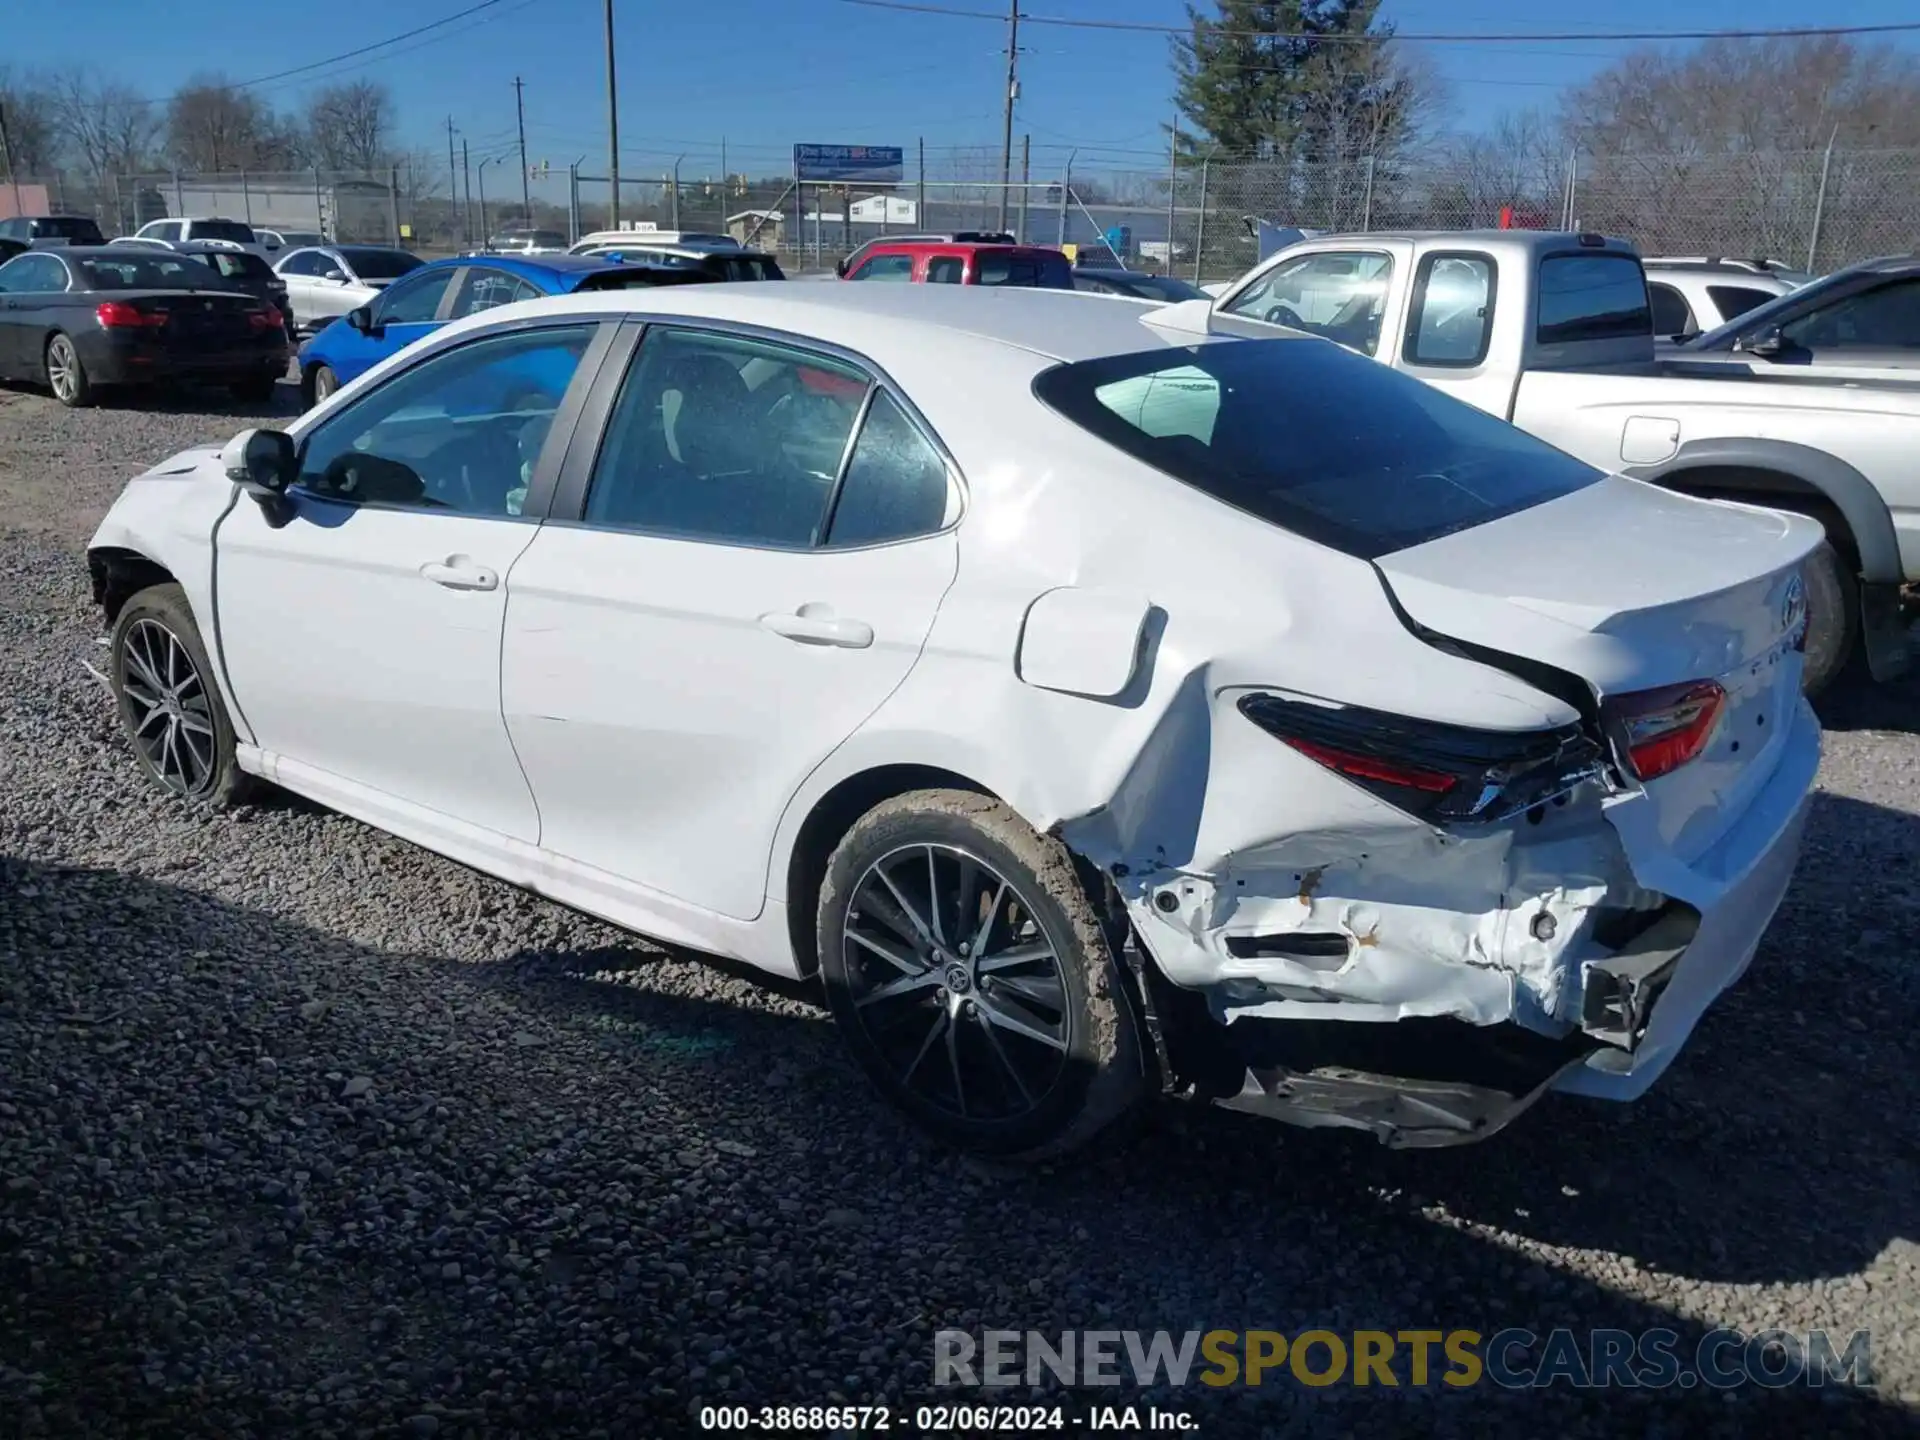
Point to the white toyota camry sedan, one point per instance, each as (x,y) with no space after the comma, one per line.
(1102,699)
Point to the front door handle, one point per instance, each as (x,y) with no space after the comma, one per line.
(457,572)
(818,625)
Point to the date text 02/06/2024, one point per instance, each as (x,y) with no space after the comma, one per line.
(943,1419)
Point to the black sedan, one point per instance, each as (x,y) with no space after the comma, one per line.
(244,269)
(83,317)
(1135,284)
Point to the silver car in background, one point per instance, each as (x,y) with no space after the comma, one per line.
(324,282)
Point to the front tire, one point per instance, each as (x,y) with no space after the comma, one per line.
(66,376)
(1833,618)
(169,705)
(321,382)
(973,980)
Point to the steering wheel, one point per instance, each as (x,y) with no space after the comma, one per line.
(1285,315)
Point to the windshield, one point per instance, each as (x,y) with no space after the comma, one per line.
(76,230)
(1761,316)
(157,272)
(223,230)
(1313,438)
(235,264)
(373,263)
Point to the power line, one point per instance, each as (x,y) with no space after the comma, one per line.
(349,54)
(1792,32)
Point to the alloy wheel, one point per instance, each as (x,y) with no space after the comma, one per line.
(63,368)
(957,984)
(324,384)
(172,714)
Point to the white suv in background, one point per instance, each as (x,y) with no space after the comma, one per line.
(1692,295)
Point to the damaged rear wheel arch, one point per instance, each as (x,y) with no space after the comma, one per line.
(832,816)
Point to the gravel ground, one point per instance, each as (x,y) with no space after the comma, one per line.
(304,1131)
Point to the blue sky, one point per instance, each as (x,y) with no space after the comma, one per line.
(766,73)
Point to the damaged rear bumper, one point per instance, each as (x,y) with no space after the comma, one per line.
(1428,989)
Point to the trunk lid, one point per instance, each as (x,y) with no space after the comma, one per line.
(196,317)
(1634,589)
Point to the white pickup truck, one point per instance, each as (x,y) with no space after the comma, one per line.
(1554,333)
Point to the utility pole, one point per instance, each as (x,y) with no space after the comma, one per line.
(1013,89)
(467,173)
(1173,181)
(520,112)
(453,181)
(613,128)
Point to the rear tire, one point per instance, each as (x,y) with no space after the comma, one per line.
(169,702)
(995,1018)
(1833,618)
(66,376)
(255,389)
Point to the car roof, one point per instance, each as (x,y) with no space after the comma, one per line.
(886,322)
(913,245)
(528,265)
(689,252)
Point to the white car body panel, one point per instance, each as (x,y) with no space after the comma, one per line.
(1076,645)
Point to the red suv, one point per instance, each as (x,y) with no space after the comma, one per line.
(931,262)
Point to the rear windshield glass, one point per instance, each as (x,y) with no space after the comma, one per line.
(160,272)
(76,230)
(1592,297)
(235,264)
(223,230)
(749,267)
(372,263)
(1315,439)
(997,267)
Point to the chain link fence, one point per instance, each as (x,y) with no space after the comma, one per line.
(1817,210)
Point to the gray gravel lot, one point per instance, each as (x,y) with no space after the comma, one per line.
(304,1131)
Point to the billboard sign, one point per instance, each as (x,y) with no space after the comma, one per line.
(850,164)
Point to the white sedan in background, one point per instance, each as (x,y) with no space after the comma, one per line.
(1099,698)
(324,282)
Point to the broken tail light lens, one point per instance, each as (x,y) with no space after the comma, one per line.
(1661,730)
(1437,772)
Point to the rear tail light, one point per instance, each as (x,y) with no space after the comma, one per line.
(1661,730)
(118,315)
(1441,773)
(264,319)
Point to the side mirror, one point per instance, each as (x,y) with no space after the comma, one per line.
(840,267)
(1768,343)
(361,319)
(339,277)
(261,461)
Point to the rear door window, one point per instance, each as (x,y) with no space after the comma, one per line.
(1733,301)
(1592,296)
(1450,323)
(1671,313)
(1320,441)
(946,270)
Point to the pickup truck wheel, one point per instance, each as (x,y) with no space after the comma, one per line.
(1833,618)
(972,978)
(169,704)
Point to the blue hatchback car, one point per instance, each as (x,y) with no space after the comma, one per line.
(441,290)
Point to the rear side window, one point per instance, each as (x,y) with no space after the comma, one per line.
(1315,439)
(1671,313)
(1736,300)
(224,230)
(895,485)
(946,270)
(994,267)
(1592,297)
(1452,311)
(885,267)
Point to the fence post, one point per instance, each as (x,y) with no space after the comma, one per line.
(1366,210)
(1573,180)
(393,200)
(1200,229)
(1820,200)
(573,203)
(1173,181)
(179,196)
(1026,174)
(920,190)
(319,209)
(246,199)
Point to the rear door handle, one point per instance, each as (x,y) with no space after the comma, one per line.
(457,572)
(818,625)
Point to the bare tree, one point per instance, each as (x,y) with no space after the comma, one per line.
(1366,112)
(213,127)
(105,125)
(32,136)
(348,127)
